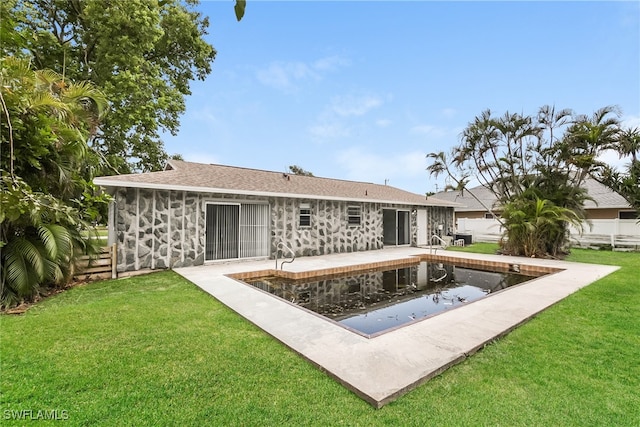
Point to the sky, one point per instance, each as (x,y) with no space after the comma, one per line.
(364,90)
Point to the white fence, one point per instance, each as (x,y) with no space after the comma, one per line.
(615,232)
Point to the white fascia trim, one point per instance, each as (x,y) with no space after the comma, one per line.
(105,182)
(624,208)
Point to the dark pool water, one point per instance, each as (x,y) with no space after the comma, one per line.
(373,301)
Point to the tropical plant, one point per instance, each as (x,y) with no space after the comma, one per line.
(629,143)
(586,139)
(40,238)
(47,197)
(515,156)
(535,227)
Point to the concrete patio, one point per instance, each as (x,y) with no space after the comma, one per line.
(381,369)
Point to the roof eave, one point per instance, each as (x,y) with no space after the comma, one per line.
(105,182)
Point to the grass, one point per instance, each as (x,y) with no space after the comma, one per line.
(155,350)
(476,248)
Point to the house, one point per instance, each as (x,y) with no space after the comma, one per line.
(192,213)
(606,203)
(610,220)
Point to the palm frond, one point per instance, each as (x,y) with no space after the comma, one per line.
(24,266)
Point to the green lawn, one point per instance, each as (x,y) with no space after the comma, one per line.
(155,350)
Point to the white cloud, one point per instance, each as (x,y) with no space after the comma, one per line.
(331,63)
(336,120)
(329,130)
(351,105)
(364,165)
(280,75)
(383,123)
(630,121)
(612,158)
(286,75)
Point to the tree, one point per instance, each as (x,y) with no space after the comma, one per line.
(587,138)
(536,226)
(533,166)
(297,170)
(141,54)
(626,182)
(46,193)
(629,143)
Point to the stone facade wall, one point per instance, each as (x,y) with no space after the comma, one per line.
(437,216)
(329,231)
(157,229)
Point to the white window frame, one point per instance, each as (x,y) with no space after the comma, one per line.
(304,212)
(354,219)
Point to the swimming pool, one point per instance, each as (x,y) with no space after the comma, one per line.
(381,368)
(372,301)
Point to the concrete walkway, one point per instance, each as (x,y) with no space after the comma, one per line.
(383,368)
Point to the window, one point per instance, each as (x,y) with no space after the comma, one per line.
(489,215)
(627,214)
(305,215)
(354,215)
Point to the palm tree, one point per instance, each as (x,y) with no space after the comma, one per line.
(629,143)
(626,142)
(47,123)
(536,227)
(586,139)
(34,250)
(523,160)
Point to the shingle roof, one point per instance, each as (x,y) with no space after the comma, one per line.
(604,198)
(467,201)
(180,175)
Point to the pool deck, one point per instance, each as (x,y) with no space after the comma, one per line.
(383,368)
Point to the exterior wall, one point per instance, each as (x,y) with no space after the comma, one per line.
(608,213)
(329,231)
(157,229)
(470,214)
(437,216)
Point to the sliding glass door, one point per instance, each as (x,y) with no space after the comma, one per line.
(396,227)
(222,232)
(236,231)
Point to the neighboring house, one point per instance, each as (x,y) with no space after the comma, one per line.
(192,213)
(610,219)
(606,203)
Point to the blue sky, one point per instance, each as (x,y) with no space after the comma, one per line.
(364,90)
